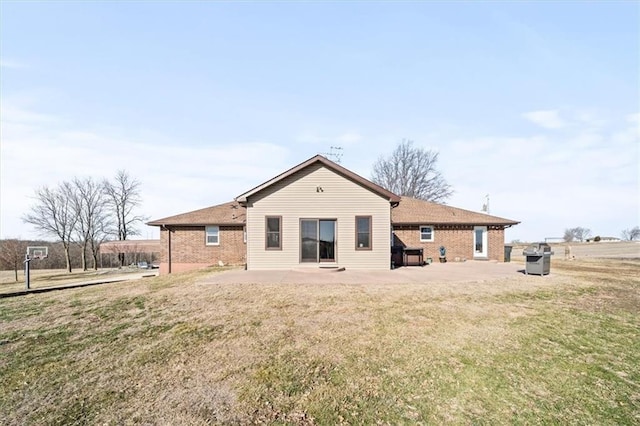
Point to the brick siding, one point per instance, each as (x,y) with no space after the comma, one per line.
(189,250)
(496,243)
(458,240)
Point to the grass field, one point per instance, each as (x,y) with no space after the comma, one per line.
(58,277)
(563,349)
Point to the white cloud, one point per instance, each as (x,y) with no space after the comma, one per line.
(349,137)
(14,114)
(549,119)
(8,63)
(175,178)
(345,138)
(586,176)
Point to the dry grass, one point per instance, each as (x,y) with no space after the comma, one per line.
(55,277)
(592,250)
(563,349)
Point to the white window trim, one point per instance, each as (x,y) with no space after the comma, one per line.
(207,233)
(433,232)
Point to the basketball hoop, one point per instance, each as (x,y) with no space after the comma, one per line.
(37,252)
(33,253)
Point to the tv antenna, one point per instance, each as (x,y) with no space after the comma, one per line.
(335,154)
(485,206)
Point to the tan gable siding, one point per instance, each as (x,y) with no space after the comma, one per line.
(298,197)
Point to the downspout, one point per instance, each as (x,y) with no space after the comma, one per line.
(168,246)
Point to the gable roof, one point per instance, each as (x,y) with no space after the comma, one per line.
(393,198)
(230,213)
(412,211)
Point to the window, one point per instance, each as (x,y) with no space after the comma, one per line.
(213,235)
(273,237)
(426,233)
(363,232)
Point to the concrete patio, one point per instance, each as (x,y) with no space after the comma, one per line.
(470,271)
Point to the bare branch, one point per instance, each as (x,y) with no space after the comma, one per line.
(12,253)
(576,234)
(412,172)
(631,234)
(123,198)
(54,214)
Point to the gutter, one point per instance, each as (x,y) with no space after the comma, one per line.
(165,227)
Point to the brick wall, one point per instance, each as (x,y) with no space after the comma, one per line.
(189,251)
(458,240)
(496,244)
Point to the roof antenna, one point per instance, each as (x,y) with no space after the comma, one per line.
(485,206)
(335,154)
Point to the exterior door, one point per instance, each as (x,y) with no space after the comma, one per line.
(480,241)
(317,240)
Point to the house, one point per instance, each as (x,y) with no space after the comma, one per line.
(133,251)
(202,238)
(320,214)
(463,233)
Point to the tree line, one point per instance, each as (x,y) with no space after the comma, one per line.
(581,234)
(85,212)
(12,251)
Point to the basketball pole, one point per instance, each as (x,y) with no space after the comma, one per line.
(27,275)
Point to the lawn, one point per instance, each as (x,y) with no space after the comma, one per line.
(561,349)
(58,277)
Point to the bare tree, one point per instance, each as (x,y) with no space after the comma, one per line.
(412,171)
(54,214)
(631,233)
(98,234)
(12,252)
(123,198)
(576,234)
(90,205)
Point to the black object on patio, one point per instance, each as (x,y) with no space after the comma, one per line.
(413,256)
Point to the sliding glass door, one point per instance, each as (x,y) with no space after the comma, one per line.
(308,240)
(317,240)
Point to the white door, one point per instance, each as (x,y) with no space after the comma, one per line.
(480,241)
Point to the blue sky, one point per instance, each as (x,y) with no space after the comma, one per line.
(536,104)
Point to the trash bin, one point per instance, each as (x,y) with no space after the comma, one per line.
(507,253)
(538,259)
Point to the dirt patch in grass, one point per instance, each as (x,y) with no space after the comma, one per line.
(180,350)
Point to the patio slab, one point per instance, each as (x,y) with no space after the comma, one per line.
(470,271)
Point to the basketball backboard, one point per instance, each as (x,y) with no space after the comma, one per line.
(40,252)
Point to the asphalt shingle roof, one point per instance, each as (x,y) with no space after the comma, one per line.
(420,212)
(230,213)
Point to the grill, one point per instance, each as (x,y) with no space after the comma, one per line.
(407,256)
(413,256)
(538,259)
